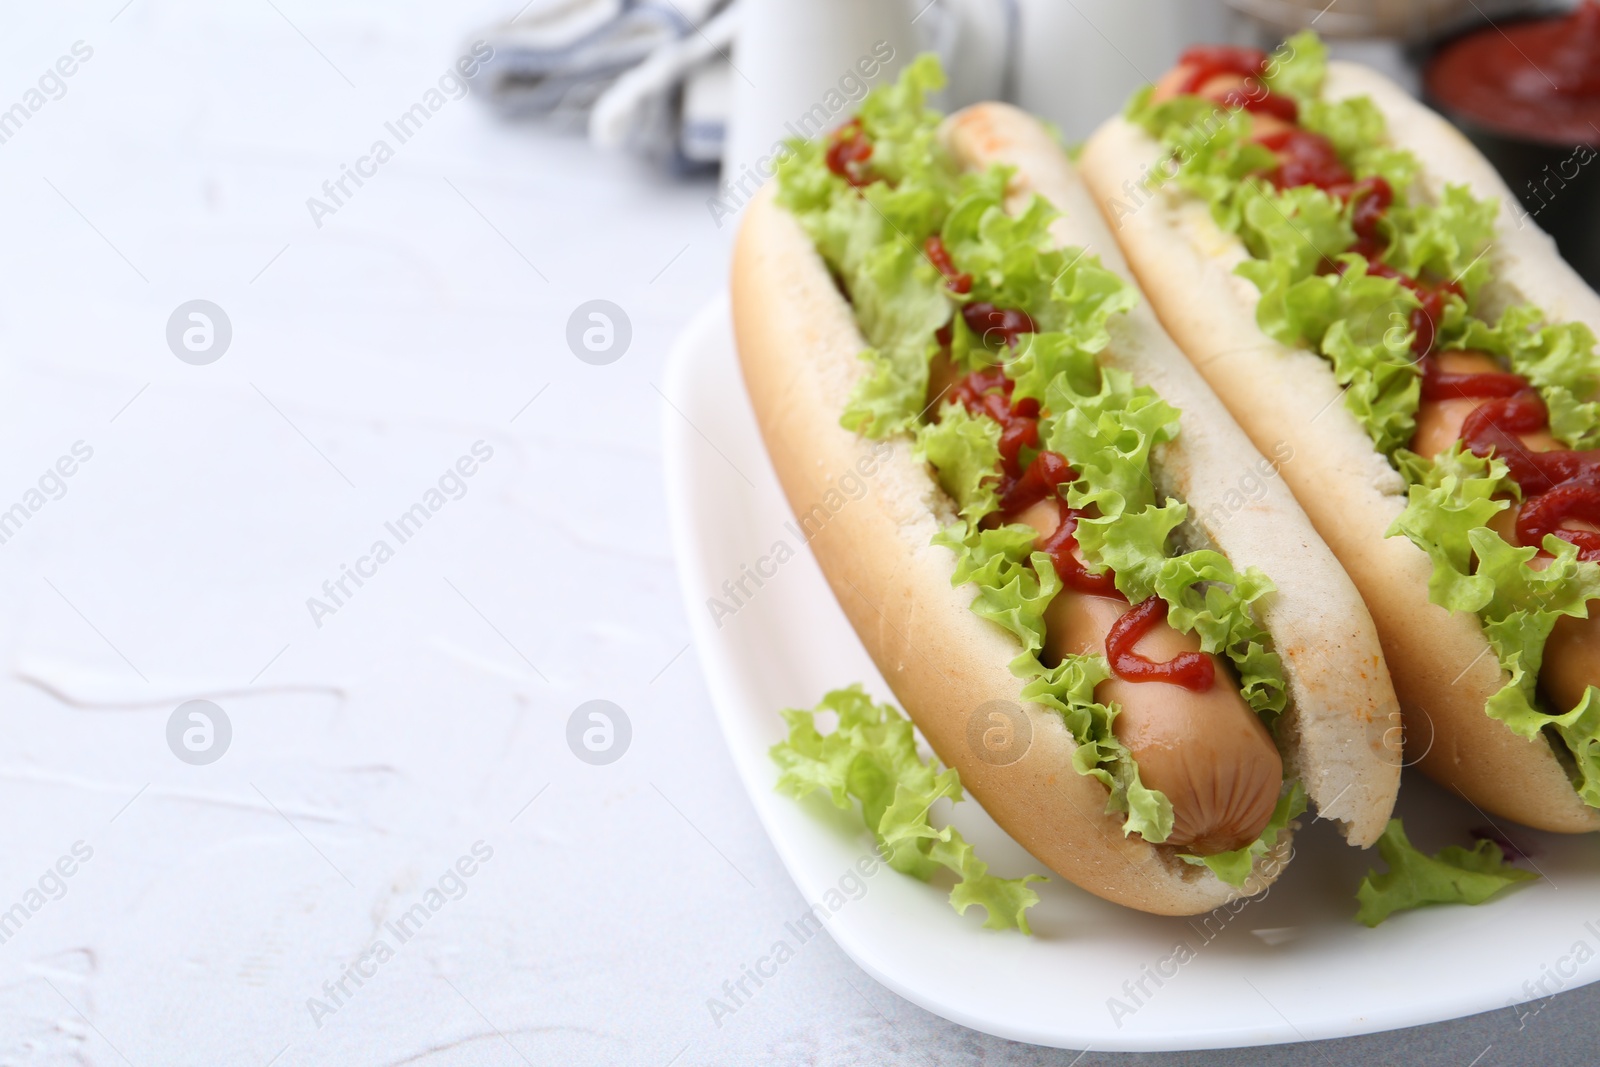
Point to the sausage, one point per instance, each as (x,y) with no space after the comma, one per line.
(1439,421)
(1572,655)
(1208,752)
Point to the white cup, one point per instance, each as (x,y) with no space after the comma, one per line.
(1080,61)
(800,69)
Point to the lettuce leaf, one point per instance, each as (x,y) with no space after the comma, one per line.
(1014,263)
(1525,608)
(1212,155)
(1068,688)
(1207,596)
(1445,238)
(1297,67)
(966,450)
(1015,584)
(1108,433)
(871,758)
(1296,230)
(1357,130)
(1449,498)
(1455,875)
(1362,324)
(1451,502)
(1356,127)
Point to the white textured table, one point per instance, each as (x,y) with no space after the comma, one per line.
(397,858)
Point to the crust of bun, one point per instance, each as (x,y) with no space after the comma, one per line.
(1443,668)
(798,345)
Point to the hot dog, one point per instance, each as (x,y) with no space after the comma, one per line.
(1351,276)
(1059,525)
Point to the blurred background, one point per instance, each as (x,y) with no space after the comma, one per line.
(708,85)
(332,345)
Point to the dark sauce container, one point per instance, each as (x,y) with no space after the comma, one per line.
(1527,93)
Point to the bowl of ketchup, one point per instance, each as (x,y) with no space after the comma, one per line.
(1527,93)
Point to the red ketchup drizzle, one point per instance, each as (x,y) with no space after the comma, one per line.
(1559,485)
(1445,385)
(1206,61)
(1577,498)
(939,256)
(1306,158)
(1209,61)
(1191,670)
(1039,482)
(991,323)
(1262,103)
(1371,197)
(988,392)
(848,153)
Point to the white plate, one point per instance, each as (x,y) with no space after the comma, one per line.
(1292,965)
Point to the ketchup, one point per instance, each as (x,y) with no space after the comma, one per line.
(1279,107)
(939,256)
(1578,499)
(1039,482)
(1557,486)
(988,392)
(1306,158)
(1210,61)
(1372,197)
(1535,80)
(988,321)
(1206,61)
(1444,385)
(1499,424)
(848,153)
(1191,670)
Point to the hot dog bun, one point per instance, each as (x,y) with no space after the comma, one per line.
(799,343)
(1443,668)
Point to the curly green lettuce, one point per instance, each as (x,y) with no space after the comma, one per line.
(1455,875)
(871,759)
(1451,501)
